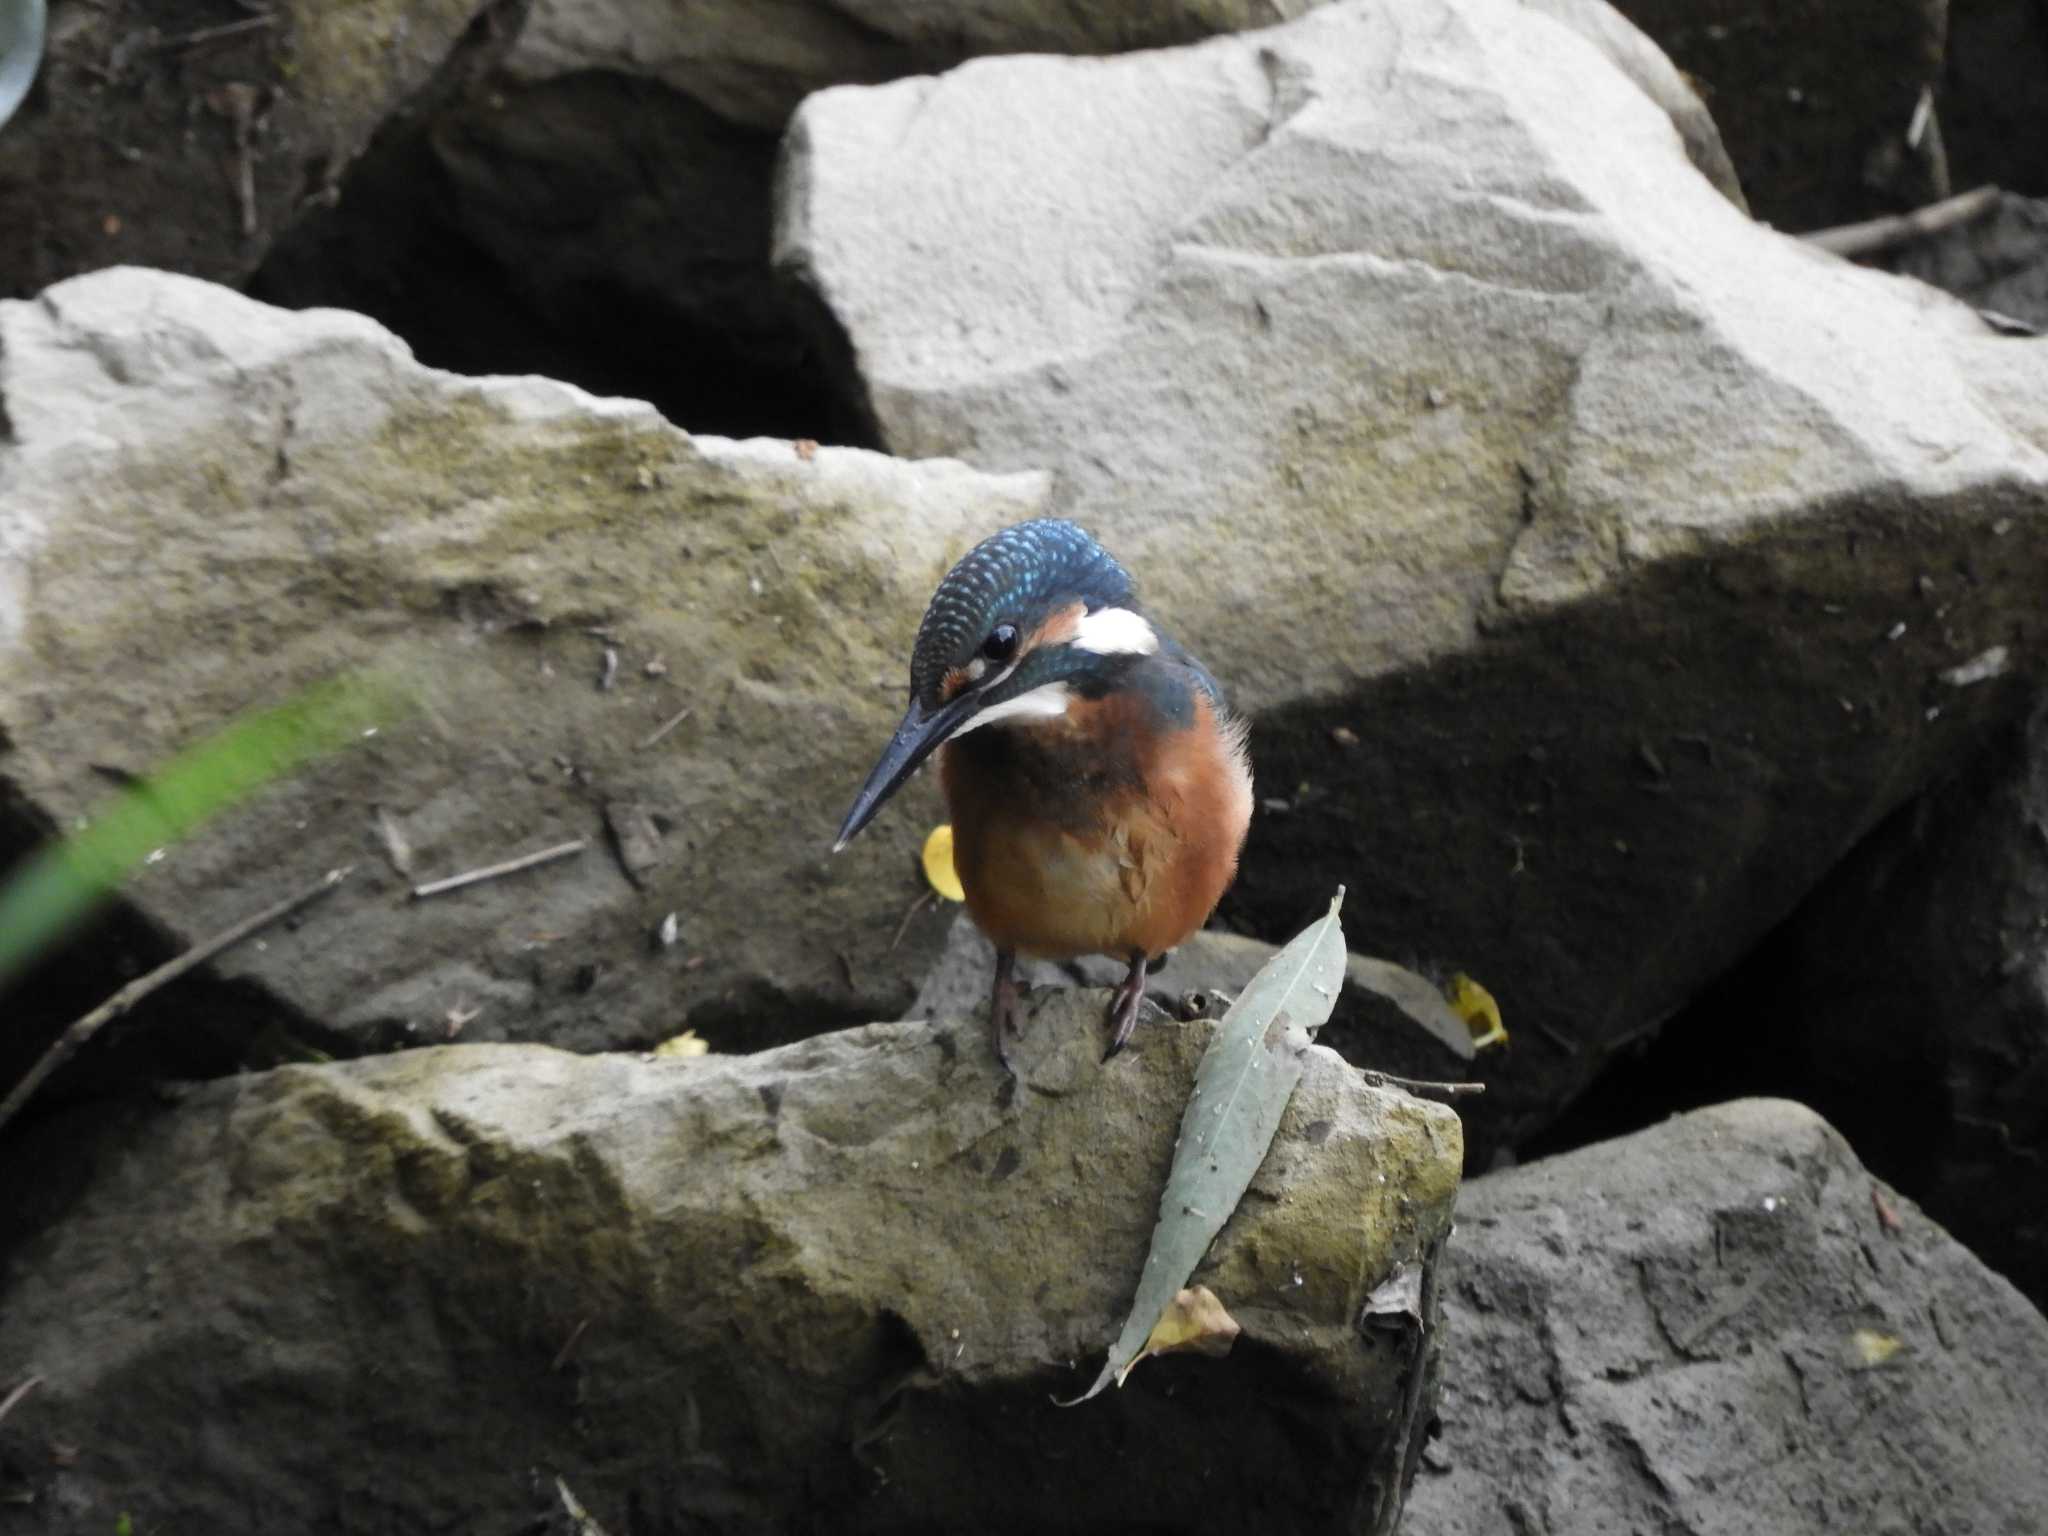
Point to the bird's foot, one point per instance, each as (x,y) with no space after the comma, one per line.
(1124,1006)
(1005,1018)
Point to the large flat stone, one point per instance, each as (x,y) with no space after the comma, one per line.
(752,64)
(830,1286)
(1724,1325)
(1431,393)
(210,504)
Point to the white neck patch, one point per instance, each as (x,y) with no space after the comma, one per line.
(1046,702)
(1115,632)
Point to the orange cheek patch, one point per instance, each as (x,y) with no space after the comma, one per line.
(1058,628)
(952,683)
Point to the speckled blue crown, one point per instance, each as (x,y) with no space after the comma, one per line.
(1018,575)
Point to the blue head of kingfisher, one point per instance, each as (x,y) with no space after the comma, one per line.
(987,651)
(1104,812)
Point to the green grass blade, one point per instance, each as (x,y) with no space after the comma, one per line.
(60,883)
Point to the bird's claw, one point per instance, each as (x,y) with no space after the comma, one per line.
(1124,1007)
(1002,1013)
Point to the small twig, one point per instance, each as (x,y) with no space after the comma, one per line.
(392,835)
(84,1029)
(241,104)
(608,674)
(213,34)
(568,1350)
(584,1522)
(916,907)
(1418,1085)
(1874,235)
(665,727)
(7,1404)
(498,871)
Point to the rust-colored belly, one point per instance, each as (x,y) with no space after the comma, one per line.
(1065,850)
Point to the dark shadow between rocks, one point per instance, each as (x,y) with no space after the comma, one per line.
(1600,809)
(597,229)
(202,1026)
(1903,1001)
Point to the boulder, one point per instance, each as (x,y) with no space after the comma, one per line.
(1910,993)
(830,1286)
(1594,564)
(194,146)
(1726,1324)
(752,66)
(685,651)
(1386,1017)
(601,204)
(621,164)
(1998,261)
(1820,105)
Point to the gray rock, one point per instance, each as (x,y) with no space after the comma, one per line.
(1912,989)
(1998,262)
(830,1286)
(622,162)
(1387,1017)
(1588,558)
(752,64)
(1634,53)
(210,504)
(192,147)
(1726,1324)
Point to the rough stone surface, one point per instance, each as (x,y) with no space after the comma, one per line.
(752,64)
(1998,262)
(1815,100)
(1913,990)
(207,504)
(156,138)
(1589,559)
(1411,1033)
(622,166)
(827,1287)
(1637,55)
(1723,1325)
(1994,105)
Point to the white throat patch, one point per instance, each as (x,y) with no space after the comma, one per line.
(1049,701)
(1115,632)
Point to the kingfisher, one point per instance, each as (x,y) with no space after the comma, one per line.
(1098,787)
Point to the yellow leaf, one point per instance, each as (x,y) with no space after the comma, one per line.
(1193,1320)
(1475,1005)
(938,863)
(685,1044)
(1868,1347)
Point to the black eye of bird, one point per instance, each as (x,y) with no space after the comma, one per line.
(1001,643)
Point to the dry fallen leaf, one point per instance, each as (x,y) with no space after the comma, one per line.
(1869,1348)
(1398,1296)
(1194,1321)
(938,863)
(685,1044)
(1475,1005)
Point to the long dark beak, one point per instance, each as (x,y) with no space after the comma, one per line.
(914,741)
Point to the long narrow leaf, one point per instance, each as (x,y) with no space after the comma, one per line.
(57,885)
(1242,1087)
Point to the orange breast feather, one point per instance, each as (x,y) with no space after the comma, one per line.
(1095,834)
